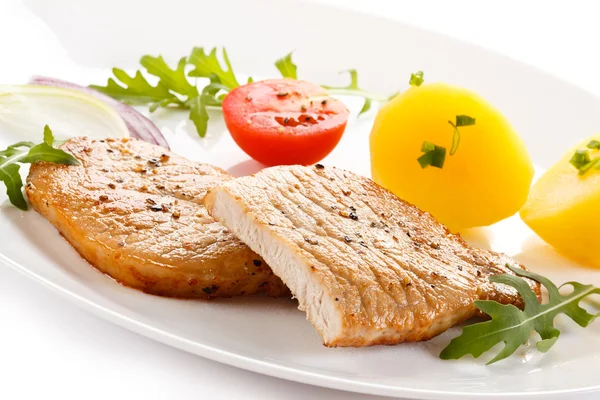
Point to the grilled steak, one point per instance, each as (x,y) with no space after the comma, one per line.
(367,267)
(134,211)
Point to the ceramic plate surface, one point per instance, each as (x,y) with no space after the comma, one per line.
(271,336)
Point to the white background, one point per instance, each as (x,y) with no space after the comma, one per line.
(49,348)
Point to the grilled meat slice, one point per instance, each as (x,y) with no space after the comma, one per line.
(134,211)
(367,267)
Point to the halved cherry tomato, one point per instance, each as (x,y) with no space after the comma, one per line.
(284,121)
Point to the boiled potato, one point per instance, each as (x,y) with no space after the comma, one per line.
(563,208)
(486,180)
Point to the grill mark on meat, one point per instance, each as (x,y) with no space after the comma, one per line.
(302,178)
(294,219)
(374,214)
(382,286)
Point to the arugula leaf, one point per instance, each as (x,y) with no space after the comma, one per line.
(9,174)
(353,90)
(14,148)
(45,152)
(208,97)
(48,136)
(136,90)
(207,65)
(212,89)
(174,88)
(27,152)
(512,326)
(199,115)
(286,67)
(173,79)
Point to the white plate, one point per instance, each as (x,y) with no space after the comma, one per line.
(269,335)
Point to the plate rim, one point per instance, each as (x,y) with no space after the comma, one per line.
(264,367)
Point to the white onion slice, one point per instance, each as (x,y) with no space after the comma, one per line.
(25,109)
(139,126)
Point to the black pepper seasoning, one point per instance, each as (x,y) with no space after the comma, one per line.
(312,241)
(210,289)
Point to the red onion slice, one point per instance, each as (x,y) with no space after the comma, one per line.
(139,126)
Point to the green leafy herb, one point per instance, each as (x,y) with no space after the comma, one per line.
(172,79)
(595,163)
(436,156)
(199,114)
(512,326)
(208,97)
(208,65)
(135,90)
(173,88)
(461,120)
(464,120)
(353,90)
(580,159)
(286,67)
(433,155)
(9,174)
(594,145)
(48,136)
(27,152)
(416,79)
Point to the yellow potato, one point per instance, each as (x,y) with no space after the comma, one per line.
(563,208)
(486,180)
